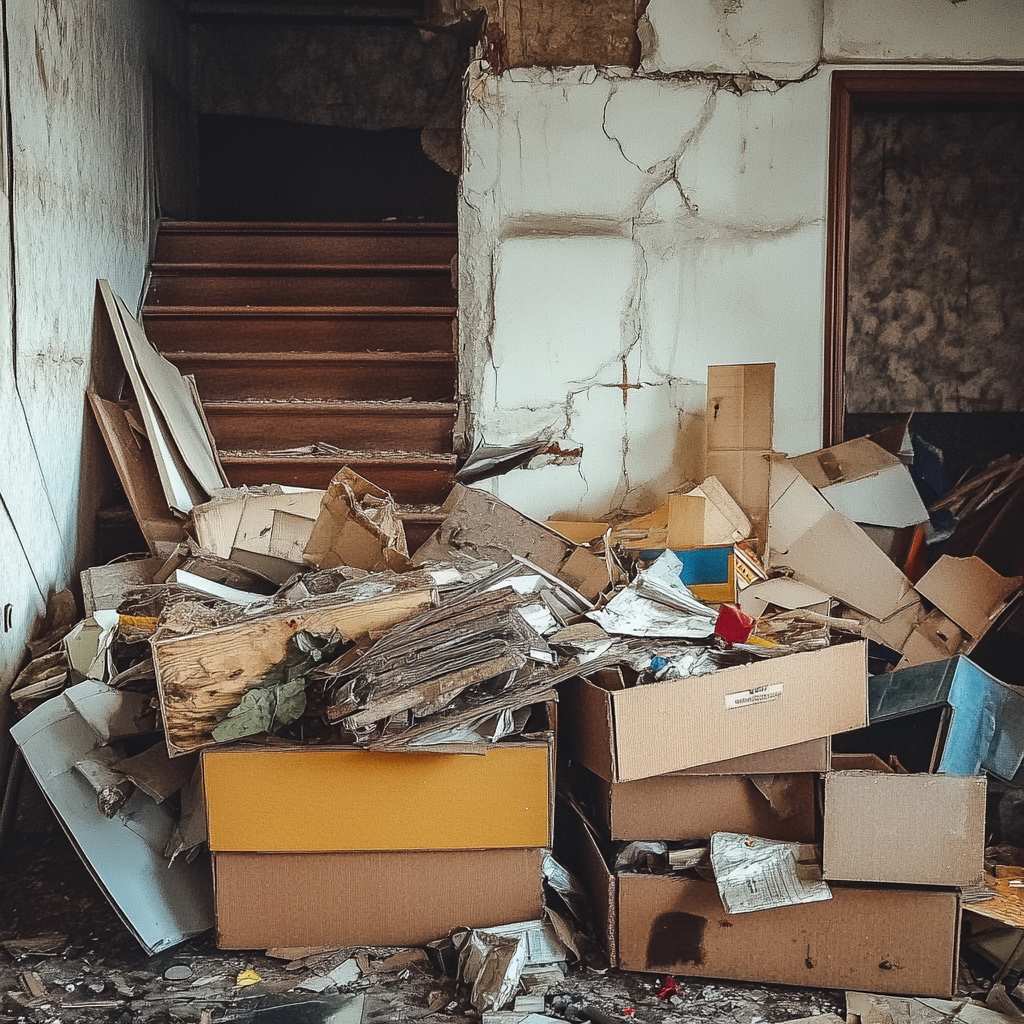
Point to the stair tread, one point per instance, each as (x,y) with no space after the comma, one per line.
(391,406)
(441,460)
(273,227)
(304,356)
(294,268)
(291,312)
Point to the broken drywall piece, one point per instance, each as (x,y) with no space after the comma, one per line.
(176,404)
(87,646)
(357,525)
(162,906)
(157,775)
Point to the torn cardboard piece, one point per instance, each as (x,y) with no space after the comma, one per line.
(105,586)
(823,548)
(111,714)
(968,591)
(358,525)
(753,873)
(162,906)
(868,484)
(479,524)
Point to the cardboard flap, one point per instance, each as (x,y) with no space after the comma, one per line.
(968,591)
(846,462)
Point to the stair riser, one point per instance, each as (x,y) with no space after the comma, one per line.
(228,247)
(410,485)
(293,428)
(402,288)
(416,532)
(304,334)
(431,382)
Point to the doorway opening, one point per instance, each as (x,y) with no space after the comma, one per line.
(925,289)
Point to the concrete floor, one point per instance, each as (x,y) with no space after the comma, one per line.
(44,888)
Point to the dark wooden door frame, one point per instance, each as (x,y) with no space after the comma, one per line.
(852,90)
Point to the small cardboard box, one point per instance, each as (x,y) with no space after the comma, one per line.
(642,731)
(882,826)
(868,939)
(333,800)
(715,574)
(679,807)
(371,899)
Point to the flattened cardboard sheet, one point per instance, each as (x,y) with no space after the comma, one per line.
(907,829)
(371,899)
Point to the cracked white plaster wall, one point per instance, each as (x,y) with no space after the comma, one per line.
(712,251)
(780,39)
(924,31)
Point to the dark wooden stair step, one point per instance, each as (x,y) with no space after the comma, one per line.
(425,426)
(415,478)
(295,284)
(309,328)
(428,376)
(273,242)
(420,523)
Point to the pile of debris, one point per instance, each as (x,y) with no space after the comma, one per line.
(285,725)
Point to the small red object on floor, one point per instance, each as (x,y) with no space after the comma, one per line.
(669,987)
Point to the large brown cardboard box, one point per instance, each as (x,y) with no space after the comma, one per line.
(809,756)
(345,800)
(642,731)
(872,939)
(868,939)
(907,829)
(380,899)
(679,807)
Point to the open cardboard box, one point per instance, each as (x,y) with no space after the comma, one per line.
(623,734)
(683,806)
(881,825)
(342,846)
(866,938)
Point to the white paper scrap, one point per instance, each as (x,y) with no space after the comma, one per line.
(760,874)
(629,614)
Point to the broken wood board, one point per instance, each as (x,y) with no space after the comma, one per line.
(137,471)
(202,676)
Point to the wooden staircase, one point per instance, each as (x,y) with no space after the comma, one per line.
(306,334)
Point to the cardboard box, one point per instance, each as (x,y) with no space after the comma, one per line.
(642,731)
(302,800)
(678,807)
(893,940)
(810,756)
(983,727)
(740,417)
(889,940)
(715,574)
(370,899)
(882,826)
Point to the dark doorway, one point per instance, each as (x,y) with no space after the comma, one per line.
(925,290)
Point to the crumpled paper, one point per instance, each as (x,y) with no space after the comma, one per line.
(490,966)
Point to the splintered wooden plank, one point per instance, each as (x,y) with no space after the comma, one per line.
(202,676)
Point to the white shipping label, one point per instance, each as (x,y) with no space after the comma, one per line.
(755,695)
